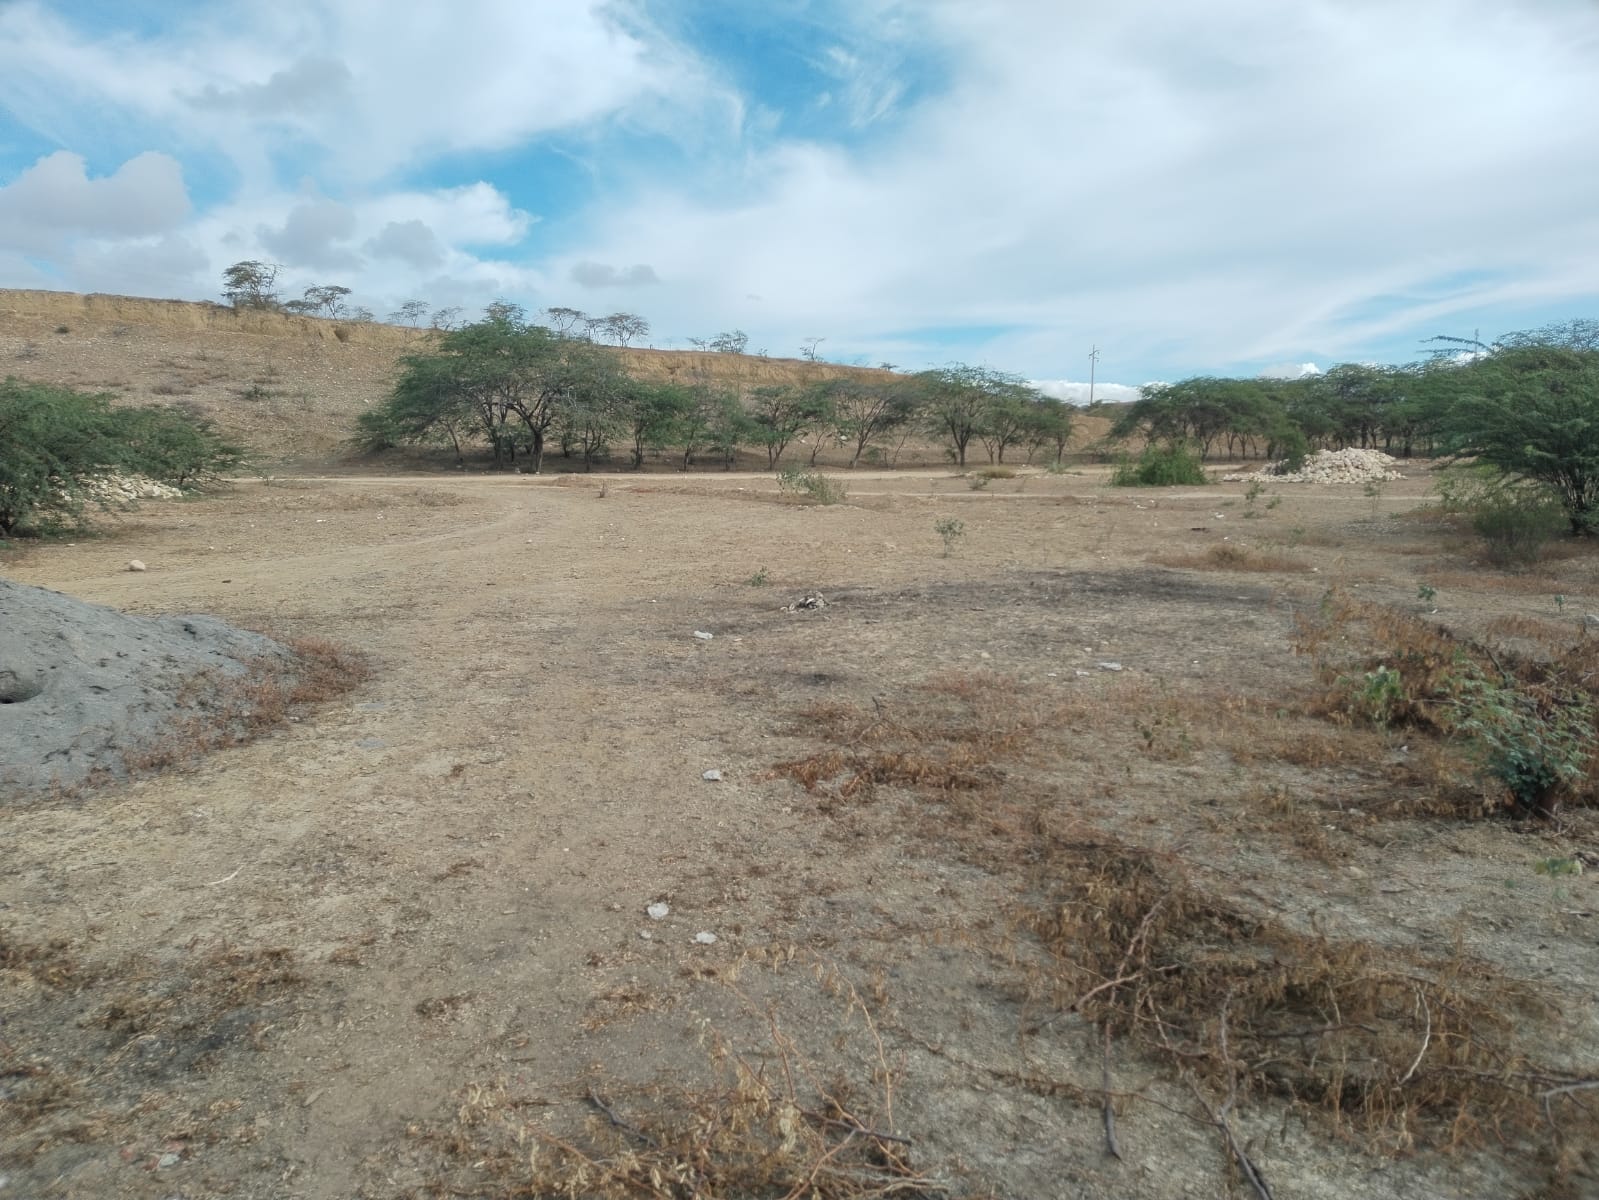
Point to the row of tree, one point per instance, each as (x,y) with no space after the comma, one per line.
(516,386)
(1527,404)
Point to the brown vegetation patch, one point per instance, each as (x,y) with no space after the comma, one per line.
(1232,556)
(240,710)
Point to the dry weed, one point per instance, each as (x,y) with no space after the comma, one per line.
(764,1126)
(1231,556)
(946,736)
(1403,1050)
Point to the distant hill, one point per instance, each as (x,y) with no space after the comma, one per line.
(290,386)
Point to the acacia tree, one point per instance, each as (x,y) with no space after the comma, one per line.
(957,400)
(250,284)
(866,409)
(563,322)
(409,313)
(1532,410)
(779,413)
(623,328)
(653,414)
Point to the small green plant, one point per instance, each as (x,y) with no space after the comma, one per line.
(1169,465)
(1558,866)
(1252,495)
(951,530)
(1534,749)
(1382,695)
(759,579)
(811,485)
(1560,605)
(1426,593)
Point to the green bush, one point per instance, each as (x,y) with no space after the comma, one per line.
(55,442)
(811,485)
(1170,464)
(1515,522)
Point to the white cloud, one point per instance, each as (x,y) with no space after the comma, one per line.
(55,199)
(1075,392)
(1192,188)
(1290,370)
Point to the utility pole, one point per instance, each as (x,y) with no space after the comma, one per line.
(1093,362)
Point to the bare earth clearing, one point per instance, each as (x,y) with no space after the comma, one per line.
(355,958)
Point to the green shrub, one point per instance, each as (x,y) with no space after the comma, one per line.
(951,530)
(1515,522)
(1171,464)
(811,485)
(55,442)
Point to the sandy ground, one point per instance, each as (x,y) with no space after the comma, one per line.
(457,857)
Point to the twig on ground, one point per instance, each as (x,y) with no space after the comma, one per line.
(1109,1106)
(225,878)
(1426,1038)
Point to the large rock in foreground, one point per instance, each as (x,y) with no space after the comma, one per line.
(87,691)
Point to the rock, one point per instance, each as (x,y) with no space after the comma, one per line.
(135,565)
(1110,666)
(705,938)
(703,636)
(806,603)
(658,911)
(168,1159)
(712,776)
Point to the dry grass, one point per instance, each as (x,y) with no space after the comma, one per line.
(233,711)
(1402,1050)
(1233,556)
(1394,1049)
(88,1056)
(948,735)
(766,1124)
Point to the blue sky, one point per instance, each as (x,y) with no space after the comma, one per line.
(1229,187)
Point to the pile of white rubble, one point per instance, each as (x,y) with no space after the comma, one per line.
(1329,466)
(124,489)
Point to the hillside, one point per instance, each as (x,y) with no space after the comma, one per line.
(290,386)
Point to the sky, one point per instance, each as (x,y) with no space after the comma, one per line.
(1233,187)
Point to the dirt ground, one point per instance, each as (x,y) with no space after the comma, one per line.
(309,966)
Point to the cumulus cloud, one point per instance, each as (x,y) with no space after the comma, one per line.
(56,199)
(600,275)
(316,233)
(411,242)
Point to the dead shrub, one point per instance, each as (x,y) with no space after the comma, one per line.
(1403,1050)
